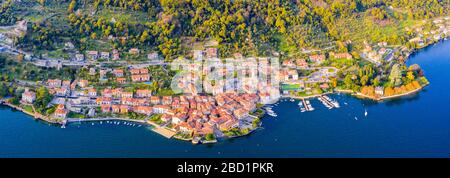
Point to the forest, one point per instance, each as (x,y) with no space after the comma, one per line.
(251,27)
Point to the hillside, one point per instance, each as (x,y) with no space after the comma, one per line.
(174,27)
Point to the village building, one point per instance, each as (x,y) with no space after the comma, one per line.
(127,94)
(92,92)
(211,53)
(166,100)
(184,127)
(118,72)
(83,83)
(93,55)
(117,92)
(301,63)
(61,91)
(66,83)
(341,55)
(92,71)
(147,110)
(103,100)
(61,111)
(238,56)
(288,63)
(152,56)
(197,55)
(133,51)
(160,109)
(379,90)
(317,59)
(241,113)
(122,109)
(121,80)
(79,57)
(28,97)
(52,83)
(228,125)
(107,93)
(105,108)
(104,55)
(116,57)
(143,93)
(154,100)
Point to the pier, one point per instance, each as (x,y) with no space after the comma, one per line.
(307,105)
(328,102)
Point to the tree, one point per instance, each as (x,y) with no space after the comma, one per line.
(94,36)
(410,75)
(3,90)
(364,79)
(209,137)
(144,36)
(395,75)
(334,82)
(43,98)
(348,81)
(42,2)
(376,82)
(72,6)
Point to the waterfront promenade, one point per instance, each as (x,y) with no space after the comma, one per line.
(156,128)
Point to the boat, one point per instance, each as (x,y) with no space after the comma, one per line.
(195,140)
(292,100)
(365,113)
(356,118)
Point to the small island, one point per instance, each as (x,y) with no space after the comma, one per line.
(87,62)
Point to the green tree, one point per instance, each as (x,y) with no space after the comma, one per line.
(396,75)
(410,75)
(348,81)
(43,98)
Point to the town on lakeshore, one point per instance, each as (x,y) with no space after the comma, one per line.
(202,92)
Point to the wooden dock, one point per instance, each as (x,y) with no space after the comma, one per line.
(307,106)
(327,102)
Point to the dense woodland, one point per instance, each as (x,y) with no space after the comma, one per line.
(251,27)
(6,13)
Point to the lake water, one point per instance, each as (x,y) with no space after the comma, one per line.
(415,126)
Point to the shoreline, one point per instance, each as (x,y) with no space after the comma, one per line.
(171,134)
(358,94)
(36,116)
(155,127)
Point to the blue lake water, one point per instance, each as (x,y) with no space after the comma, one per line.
(415,126)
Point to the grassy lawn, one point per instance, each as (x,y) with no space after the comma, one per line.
(76,115)
(28,108)
(290,86)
